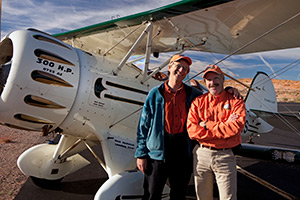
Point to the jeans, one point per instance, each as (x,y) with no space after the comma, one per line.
(176,168)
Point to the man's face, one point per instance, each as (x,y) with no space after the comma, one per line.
(179,70)
(214,83)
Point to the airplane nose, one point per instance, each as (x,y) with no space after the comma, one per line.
(39,77)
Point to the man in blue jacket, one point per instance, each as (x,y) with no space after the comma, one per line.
(163,146)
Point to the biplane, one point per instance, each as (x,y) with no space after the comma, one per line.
(81,84)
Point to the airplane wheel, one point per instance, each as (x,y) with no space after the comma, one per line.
(45,183)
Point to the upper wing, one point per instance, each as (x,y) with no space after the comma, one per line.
(220,26)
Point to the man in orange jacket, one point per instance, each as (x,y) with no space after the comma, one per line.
(215,120)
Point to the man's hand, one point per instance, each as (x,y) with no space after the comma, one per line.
(236,94)
(142,164)
(232,117)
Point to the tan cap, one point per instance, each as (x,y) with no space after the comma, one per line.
(212,68)
(179,57)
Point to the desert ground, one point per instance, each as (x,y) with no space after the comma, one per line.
(13,141)
(286,90)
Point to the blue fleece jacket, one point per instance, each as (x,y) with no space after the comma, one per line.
(150,130)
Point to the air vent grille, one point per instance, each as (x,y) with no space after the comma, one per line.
(46,39)
(31,119)
(51,56)
(41,102)
(50,79)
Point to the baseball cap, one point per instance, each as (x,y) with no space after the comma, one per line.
(179,57)
(212,68)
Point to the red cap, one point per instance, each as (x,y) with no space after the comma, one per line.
(179,57)
(212,68)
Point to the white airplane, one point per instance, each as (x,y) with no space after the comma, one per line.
(81,85)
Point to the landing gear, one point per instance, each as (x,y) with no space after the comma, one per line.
(48,164)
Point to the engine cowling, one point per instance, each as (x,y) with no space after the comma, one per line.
(39,80)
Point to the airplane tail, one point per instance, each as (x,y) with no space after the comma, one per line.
(263,97)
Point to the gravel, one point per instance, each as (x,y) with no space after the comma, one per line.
(13,142)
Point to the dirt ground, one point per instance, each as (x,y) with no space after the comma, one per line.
(13,141)
(286,90)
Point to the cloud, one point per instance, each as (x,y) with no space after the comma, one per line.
(59,16)
(268,65)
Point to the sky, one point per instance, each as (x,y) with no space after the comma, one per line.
(56,16)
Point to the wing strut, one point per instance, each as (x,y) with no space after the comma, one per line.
(159,68)
(122,63)
(148,50)
(148,30)
(123,39)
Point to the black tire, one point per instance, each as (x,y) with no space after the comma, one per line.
(45,183)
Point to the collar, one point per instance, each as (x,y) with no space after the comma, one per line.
(217,97)
(169,90)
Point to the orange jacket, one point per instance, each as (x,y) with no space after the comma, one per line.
(219,132)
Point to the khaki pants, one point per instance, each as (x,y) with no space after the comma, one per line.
(215,164)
